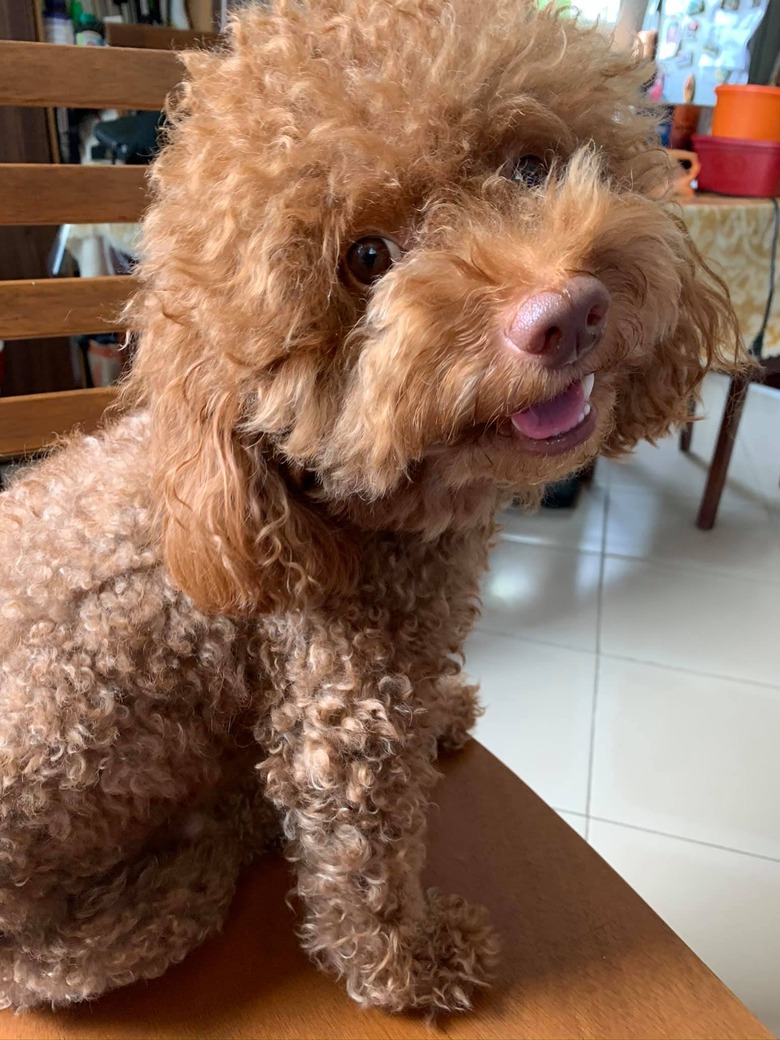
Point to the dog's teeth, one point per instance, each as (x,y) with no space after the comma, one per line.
(587,386)
(586,411)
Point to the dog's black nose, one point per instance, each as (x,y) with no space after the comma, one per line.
(563,324)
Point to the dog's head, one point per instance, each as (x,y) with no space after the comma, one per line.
(403,253)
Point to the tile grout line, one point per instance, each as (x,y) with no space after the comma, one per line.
(625,657)
(534,543)
(597,662)
(700,568)
(692,671)
(532,639)
(669,564)
(667,834)
(664,563)
(592,745)
(681,837)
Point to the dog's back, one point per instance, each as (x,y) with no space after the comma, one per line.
(98,650)
(72,527)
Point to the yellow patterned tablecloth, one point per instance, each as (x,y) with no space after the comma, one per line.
(734,235)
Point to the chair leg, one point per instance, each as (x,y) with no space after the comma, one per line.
(686,433)
(716,478)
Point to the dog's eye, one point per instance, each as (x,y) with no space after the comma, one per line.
(526,169)
(369,258)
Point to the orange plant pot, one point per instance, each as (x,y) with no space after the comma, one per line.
(750,112)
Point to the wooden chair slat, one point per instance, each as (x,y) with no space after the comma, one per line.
(158,37)
(31,423)
(36,193)
(49,74)
(62,306)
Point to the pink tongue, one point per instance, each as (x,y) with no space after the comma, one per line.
(552,417)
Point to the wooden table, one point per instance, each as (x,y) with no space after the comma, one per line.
(735,235)
(583,955)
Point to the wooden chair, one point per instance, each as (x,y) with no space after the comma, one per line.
(158,37)
(47,75)
(583,955)
(768,373)
(741,260)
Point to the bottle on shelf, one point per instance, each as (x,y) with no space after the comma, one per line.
(57,26)
(89,31)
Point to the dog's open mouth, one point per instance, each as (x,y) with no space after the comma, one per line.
(561,423)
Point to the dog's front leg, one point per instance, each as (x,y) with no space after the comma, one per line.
(352,776)
(454,708)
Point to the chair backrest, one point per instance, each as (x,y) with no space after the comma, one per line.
(52,75)
(158,37)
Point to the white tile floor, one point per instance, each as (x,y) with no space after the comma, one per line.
(630,665)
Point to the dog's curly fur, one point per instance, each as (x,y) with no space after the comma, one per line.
(244,600)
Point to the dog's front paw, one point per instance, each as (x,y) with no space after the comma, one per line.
(433,968)
(457,954)
(459,709)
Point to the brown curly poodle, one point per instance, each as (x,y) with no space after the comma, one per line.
(406,257)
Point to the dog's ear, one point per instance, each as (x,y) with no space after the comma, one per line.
(657,393)
(235,537)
